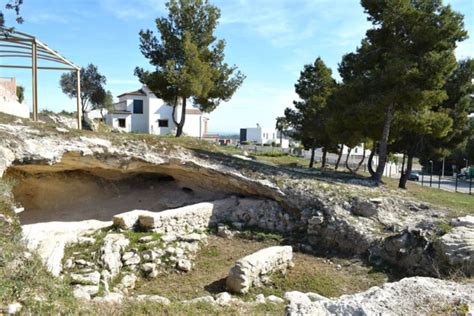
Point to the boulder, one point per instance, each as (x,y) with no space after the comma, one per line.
(364,208)
(252,270)
(457,246)
(409,296)
(111,256)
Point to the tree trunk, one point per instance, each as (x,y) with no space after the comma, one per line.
(347,159)
(383,153)
(405,174)
(323,162)
(180,124)
(339,157)
(361,161)
(281,139)
(311,161)
(370,166)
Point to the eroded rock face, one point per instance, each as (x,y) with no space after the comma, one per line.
(254,270)
(417,295)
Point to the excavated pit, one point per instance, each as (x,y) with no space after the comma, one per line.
(99,194)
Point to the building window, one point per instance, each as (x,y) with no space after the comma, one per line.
(137,106)
(122,122)
(162,123)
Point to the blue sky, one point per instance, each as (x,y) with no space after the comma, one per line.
(270,41)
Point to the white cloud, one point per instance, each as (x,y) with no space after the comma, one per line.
(133,9)
(42,18)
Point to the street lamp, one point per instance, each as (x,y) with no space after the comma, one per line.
(431,173)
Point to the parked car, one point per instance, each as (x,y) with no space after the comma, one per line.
(414,176)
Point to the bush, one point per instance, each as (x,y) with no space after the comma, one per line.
(266,145)
(245,142)
(273,153)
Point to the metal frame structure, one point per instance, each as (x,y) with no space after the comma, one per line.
(16,44)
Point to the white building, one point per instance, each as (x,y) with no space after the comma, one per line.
(142,111)
(262,135)
(9,101)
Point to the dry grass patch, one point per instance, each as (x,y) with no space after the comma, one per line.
(328,277)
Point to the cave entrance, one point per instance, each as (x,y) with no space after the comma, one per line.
(71,196)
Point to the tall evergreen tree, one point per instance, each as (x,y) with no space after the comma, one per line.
(309,117)
(188,59)
(404,60)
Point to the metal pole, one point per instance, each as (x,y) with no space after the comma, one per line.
(79,108)
(34,80)
(470,184)
(442,170)
(431,175)
(456,185)
(439,181)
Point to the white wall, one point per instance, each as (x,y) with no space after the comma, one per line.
(14,108)
(112,120)
(262,135)
(194,125)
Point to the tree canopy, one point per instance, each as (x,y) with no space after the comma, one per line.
(188,59)
(93,94)
(402,65)
(15,6)
(308,118)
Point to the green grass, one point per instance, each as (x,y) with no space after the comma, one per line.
(458,203)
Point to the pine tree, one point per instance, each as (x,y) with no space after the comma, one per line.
(188,59)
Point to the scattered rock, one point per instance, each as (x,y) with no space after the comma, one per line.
(184,265)
(223,299)
(149,255)
(111,252)
(14,308)
(204,299)
(110,298)
(253,269)
(169,238)
(224,232)
(92,290)
(274,299)
(149,269)
(128,281)
(92,278)
(154,299)
(145,239)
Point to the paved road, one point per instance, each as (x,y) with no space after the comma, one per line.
(447,184)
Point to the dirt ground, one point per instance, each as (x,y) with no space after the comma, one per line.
(78,196)
(329,277)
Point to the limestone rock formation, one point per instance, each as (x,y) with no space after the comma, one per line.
(252,270)
(410,296)
(457,246)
